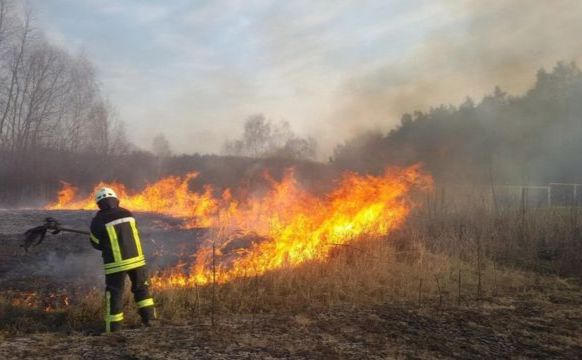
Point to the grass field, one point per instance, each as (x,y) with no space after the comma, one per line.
(452,282)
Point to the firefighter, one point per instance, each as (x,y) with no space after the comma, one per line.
(114,232)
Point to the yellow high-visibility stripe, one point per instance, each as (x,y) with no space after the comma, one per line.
(123,262)
(114,243)
(107,311)
(115,317)
(136,237)
(120,264)
(94,239)
(145,303)
(109,318)
(119,221)
(126,267)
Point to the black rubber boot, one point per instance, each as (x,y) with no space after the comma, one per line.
(148,315)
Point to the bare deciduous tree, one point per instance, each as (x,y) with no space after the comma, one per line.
(51,107)
(263,138)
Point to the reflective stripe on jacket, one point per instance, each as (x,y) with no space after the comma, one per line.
(114,232)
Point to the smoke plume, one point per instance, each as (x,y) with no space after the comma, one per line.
(480,45)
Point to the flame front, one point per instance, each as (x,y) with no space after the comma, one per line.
(284,227)
(169,196)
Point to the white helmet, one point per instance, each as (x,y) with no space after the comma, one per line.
(104,193)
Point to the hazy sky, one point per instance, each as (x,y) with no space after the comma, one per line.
(194,70)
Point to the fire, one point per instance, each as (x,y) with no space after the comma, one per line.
(284,227)
(47,302)
(169,196)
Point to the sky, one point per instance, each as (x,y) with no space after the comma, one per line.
(195,70)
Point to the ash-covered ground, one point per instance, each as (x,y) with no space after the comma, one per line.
(63,266)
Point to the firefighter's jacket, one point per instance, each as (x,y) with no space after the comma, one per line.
(114,232)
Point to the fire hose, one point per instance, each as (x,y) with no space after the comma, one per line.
(36,235)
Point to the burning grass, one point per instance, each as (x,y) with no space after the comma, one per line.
(433,257)
(294,225)
(369,272)
(385,296)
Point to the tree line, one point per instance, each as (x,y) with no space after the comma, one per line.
(263,138)
(56,124)
(49,98)
(532,138)
(51,105)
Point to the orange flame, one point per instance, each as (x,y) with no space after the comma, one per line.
(169,196)
(286,226)
(48,302)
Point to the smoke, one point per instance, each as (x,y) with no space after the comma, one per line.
(480,44)
(68,259)
(81,268)
(336,69)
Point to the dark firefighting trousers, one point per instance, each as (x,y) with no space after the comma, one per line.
(114,285)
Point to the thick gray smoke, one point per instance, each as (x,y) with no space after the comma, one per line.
(484,44)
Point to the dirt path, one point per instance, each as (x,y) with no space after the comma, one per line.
(540,327)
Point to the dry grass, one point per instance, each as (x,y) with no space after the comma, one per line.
(441,258)
(370,272)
